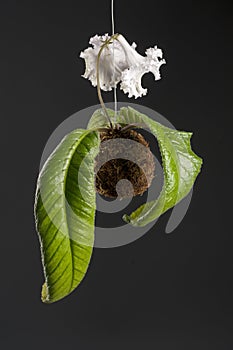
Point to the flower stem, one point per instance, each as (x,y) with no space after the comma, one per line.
(105,44)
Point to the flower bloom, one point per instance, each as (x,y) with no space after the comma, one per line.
(120,62)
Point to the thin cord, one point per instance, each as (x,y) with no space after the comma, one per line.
(113,22)
(114,71)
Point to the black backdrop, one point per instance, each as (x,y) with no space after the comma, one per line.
(163,291)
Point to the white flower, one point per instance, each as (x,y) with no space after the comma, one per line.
(120,62)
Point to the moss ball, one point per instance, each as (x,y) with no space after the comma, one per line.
(137,165)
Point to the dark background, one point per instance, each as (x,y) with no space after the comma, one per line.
(162,291)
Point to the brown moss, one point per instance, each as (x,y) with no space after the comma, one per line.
(138,167)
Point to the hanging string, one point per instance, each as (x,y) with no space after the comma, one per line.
(114,71)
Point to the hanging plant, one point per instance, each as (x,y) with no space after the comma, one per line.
(65,202)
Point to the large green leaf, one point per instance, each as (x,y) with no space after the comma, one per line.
(65,212)
(99,120)
(180,164)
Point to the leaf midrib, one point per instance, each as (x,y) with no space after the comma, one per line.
(64,199)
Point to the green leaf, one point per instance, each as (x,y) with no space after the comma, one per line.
(65,212)
(99,120)
(180,166)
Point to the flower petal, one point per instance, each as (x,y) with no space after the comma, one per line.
(131,81)
(154,61)
(112,62)
(119,61)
